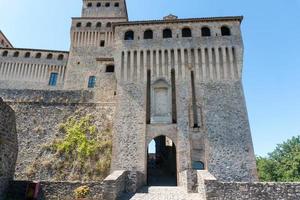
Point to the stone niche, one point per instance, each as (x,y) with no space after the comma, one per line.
(161,109)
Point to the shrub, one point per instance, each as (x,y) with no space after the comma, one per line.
(81,192)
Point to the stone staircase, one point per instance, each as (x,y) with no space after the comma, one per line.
(163,193)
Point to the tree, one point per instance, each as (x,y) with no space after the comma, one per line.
(283,164)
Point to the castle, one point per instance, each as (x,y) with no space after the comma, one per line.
(175,81)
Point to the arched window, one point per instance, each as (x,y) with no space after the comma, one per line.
(110,69)
(78,24)
(117,4)
(198,165)
(186,32)
(49,56)
(89,24)
(108,24)
(60,57)
(148,34)
(2,42)
(89,5)
(205,31)
(225,31)
(98,5)
(98,24)
(38,55)
(107,4)
(5,53)
(27,55)
(16,54)
(129,35)
(167,33)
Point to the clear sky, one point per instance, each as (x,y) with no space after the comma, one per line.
(271,32)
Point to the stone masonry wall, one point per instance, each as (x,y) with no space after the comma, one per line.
(229,147)
(8,146)
(254,191)
(38,115)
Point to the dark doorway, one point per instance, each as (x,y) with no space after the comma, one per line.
(161,163)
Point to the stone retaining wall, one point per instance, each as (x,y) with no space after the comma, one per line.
(8,146)
(65,190)
(254,191)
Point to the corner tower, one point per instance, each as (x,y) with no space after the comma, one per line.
(91,63)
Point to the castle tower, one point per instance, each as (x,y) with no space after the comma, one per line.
(181,79)
(91,63)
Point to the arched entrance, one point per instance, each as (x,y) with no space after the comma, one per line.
(161,162)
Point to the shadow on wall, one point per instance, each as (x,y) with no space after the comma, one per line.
(8,146)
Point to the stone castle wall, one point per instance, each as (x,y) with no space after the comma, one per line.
(8,146)
(229,148)
(252,191)
(31,68)
(38,115)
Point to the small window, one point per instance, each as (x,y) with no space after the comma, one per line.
(89,24)
(110,69)
(205,31)
(27,55)
(49,56)
(5,53)
(129,35)
(98,24)
(167,33)
(225,31)
(198,165)
(2,42)
(108,24)
(148,34)
(60,57)
(53,79)
(186,32)
(89,5)
(117,4)
(38,55)
(107,5)
(92,82)
(16,54)
(98,5)
(78,24)
(102,43)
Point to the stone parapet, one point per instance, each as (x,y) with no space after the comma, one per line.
(255,191)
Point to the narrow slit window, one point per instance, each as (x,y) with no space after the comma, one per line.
(174,110)
(194,100)
(148,105)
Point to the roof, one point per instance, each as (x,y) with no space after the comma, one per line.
(41,50)
(205,19)
(1,33)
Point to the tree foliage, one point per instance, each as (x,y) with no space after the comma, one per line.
(283,164)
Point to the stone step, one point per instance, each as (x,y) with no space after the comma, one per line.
(163,193)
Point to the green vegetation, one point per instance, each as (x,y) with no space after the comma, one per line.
(283,164)
(83,153)
(81,192)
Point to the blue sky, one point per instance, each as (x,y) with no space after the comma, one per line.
(271,31)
